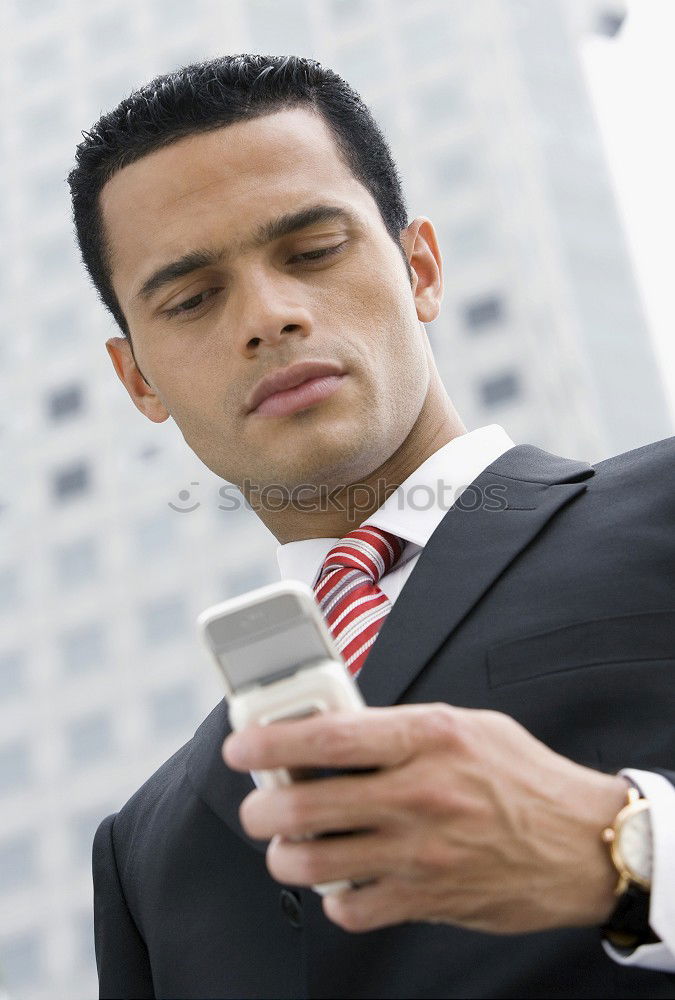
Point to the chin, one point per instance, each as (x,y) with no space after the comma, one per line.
(314,467)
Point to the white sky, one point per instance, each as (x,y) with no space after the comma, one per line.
(632,82)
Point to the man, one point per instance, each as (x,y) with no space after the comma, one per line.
(243,221)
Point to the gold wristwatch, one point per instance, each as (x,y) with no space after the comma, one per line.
(631,849)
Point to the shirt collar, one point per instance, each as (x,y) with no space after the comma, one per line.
(417,507)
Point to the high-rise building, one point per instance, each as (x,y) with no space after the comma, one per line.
(113,535)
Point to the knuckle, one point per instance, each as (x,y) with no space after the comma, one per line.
(432,857)
(460,730)
(500,722)
(338,738)
(419,792)
(397,789)
(434,798)
(441,724)
(499,730)
(490,717)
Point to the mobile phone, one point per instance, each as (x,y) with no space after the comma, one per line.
(279,662)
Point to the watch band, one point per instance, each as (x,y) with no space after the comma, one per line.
(628,926)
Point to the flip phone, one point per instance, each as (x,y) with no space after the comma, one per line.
(279,662)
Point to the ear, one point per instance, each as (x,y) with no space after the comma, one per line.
(143,395)
(421,247)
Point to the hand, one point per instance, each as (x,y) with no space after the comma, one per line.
(469,820)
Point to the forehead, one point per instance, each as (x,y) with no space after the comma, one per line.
(221,185)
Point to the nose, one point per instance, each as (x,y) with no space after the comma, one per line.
(269,310)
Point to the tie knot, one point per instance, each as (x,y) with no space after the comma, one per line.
(369,549)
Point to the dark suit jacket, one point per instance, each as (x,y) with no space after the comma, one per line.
(551,601)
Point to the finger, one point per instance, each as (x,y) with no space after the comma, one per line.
(388,901)
(310,807)
(359,857)
(374,737)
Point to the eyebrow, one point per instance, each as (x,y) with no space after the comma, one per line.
(267,232)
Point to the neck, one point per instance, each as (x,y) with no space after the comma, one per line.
(340,510)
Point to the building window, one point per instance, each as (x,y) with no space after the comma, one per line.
(89,738)
(149,452)
(173,709)
(609,22)
(483,312)
(164,619)
(76,562)
(21,957)
(83,648)
(71,481)
(14,766)
(12,673)
(500,389)
(17,862)
(65,402)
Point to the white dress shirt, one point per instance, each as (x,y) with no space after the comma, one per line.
(413,512)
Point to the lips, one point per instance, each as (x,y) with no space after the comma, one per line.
(290,378)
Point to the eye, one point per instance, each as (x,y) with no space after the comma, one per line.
(192,304)
(320,254)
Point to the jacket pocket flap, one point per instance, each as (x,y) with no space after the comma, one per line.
(628,638)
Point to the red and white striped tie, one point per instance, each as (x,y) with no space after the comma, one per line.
(347,592)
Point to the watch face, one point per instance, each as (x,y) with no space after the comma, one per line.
(634,841)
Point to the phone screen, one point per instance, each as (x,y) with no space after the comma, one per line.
(265,641)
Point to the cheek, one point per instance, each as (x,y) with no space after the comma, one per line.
(199,379)
(198,404)
(382,311)
(394,331)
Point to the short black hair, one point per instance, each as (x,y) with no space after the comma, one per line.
(209,95)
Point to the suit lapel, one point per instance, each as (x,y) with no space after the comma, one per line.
(503,510)
(221,788)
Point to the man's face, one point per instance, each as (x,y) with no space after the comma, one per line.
(240,305)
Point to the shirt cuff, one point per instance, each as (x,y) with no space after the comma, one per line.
(659,956)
